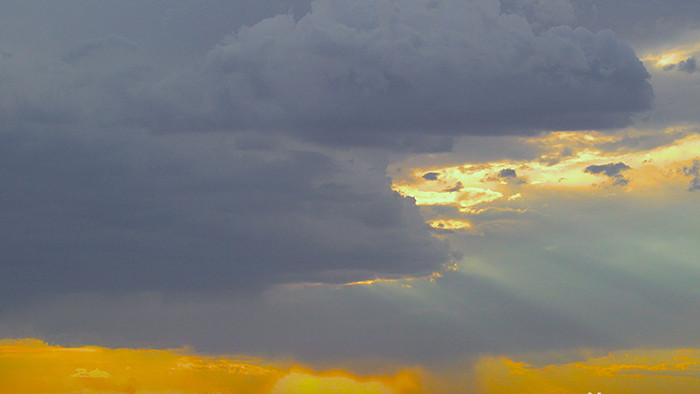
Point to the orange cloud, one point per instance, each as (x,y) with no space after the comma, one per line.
(632,371)
(567,163)
(30,366)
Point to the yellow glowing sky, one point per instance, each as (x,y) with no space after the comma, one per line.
(633,371)
(471,187)
(30,365)
(683,49)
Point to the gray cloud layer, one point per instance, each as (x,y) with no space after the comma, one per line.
(135,212)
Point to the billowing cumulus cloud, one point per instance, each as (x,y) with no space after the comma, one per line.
(407,75)
(360,72)
(641,22)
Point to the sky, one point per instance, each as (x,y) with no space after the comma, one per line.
(373,196)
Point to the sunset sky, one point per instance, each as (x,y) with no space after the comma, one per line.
(380,196)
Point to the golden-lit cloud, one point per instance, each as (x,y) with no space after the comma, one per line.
(30,365)
(630,371)
(584,162)
(667,55)
(450,224)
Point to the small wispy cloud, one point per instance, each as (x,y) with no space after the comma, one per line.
(611,170)
(694,172)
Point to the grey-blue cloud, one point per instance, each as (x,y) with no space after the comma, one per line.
(688,65)
(406,76)
(693,172)
(611,170)
(346,70)
(132,212)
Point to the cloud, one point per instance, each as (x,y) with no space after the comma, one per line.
(694,172)
(156,176)
(363,72)
(688,65)
(507,173)
(633,370)
(502,192)
(130,211)
(542,14)
(96,373)
(406,75)
(552,276)
(640,22)
(110,43)
(569,370)
(457,187)
(431,176)
(175,370)
(435,319)
(611,170)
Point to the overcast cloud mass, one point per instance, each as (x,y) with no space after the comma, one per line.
(412,182)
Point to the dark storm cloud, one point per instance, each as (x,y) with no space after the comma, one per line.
(542,14)
(431,176)
(131,211)
(348,70)
(109,43)
(641,22)
(611,170)
(326,324)
(404,75)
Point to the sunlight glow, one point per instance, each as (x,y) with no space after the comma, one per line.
(96,369)
(450,224)
(665,56)
(630,371)
(571,161)
(65,369)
